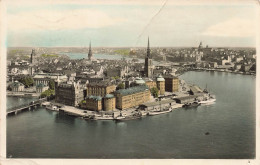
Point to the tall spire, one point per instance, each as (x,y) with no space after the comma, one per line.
(148,49)
(90,51)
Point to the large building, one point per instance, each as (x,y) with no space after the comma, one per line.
(94,103)
(171,84)
(148,68)
(109,102)
(43,78)
(100,88)
(33,54)
(134,96)
(70,93)
(160,81)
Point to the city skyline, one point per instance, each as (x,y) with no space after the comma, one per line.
(119,24)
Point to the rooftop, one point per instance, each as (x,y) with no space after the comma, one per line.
(132,90)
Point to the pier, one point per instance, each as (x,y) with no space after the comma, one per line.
(24,107)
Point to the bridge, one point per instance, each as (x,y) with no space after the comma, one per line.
(24,107)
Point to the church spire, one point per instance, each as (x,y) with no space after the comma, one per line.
(90,51)
(148,49)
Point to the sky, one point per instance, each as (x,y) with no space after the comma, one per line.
(125,23)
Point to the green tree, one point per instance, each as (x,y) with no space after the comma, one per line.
(51,84)
(154,91)
(27,81)
(47,93)
(121,86)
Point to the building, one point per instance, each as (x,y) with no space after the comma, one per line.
(160,81)
(70,93)
(94,103)
(100,88)
(33,54)
(109,102)
(150,83)
(41,88)
(148,68)
(17,86)
(171,84)
(90,56)
(185,99)
(158,105)
(44,78)
(134,96)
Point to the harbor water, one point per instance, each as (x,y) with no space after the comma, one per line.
(180,134)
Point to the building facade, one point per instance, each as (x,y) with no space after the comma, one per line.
(171,84)
(134,96)
(109,102)
(69,93)
(17,87)
(43,78)
(100,89)
(160,81)
(94,103)
(41,88)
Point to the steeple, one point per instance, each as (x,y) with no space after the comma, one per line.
(148,49)
(90,52)
(32,56)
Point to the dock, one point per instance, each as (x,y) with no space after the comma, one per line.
(74,111)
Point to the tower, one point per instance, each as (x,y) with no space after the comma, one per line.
(148,68)
(90,52)
(33,56)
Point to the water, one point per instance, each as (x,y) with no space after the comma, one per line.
(16,101)
(179,134)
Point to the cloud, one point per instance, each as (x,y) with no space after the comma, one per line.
(235,27)
(60,19)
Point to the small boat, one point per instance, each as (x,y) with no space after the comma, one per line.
(210,100)
(188,105)
(52,107)
(131,117)
(207,133)
(152,113)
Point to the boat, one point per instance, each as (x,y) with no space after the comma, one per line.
(208,99)
(194,104)
(152,113)
(52,107)
(131,117)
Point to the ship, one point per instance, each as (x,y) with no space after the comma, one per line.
(194,104)
(131,117)
(52,107)
(152,113)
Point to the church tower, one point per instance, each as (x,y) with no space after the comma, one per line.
(90,52)
(148,68)
(33,56)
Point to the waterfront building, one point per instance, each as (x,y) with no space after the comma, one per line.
(148,68)
(70,93)
(109,102)
(44,78)
(94,103)
(41,88)
(160,81)
(185,99)
(100,88)
(90,56)
(171,83)
(17,86)
(158,105)
(134,96)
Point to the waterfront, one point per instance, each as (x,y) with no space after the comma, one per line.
(179,134)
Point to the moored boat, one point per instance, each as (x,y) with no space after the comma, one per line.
(52,107)
(194,104)
(152,113)
(131,117)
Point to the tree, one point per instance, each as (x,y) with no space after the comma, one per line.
(154,92)
(47,93)
(27,81)
(120,86)
(51,84)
